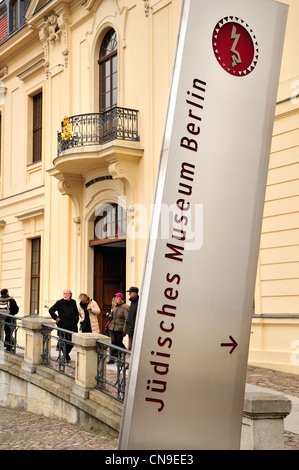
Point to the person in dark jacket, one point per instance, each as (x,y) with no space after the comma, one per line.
(67,318)
(130,326)
(8,305)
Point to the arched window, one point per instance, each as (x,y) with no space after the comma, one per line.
(108,71)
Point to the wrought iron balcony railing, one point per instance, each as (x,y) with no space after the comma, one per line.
(98,128)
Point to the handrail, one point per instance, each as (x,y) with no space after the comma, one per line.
(62,344)
(9,333)
(112,382)
(111,364)
(98,128)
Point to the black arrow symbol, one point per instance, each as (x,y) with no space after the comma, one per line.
(233,344)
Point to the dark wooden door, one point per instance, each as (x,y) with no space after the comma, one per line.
(109,277)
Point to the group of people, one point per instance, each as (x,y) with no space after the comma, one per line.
(121,318)
(67,315)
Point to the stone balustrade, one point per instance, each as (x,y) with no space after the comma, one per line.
(263,416)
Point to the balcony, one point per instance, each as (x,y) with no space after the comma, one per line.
(97,146)
(98,128)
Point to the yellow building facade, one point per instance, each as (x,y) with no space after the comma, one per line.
(84,88)
(275,327)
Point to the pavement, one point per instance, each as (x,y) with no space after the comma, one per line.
(21,430)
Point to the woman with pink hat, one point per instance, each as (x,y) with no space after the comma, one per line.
(117,325)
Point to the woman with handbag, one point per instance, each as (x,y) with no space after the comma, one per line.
(88,313)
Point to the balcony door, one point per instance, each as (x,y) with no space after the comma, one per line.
(108,71)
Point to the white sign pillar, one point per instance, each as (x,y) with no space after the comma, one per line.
(188,371)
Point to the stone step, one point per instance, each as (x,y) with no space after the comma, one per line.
(106,401)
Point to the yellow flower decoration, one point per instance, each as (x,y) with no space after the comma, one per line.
(66,133)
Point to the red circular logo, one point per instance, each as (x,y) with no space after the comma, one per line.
(235,46)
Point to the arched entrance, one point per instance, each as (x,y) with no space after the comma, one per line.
(109,245)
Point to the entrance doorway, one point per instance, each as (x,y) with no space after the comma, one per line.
(109,258)
(109,276)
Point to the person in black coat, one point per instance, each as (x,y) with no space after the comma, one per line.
(67,318)
(130,326)
(8,305)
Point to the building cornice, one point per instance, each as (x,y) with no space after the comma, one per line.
(30,215)
(15,44)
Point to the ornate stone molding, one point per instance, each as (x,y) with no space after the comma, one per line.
(92,4)
(147,7)
(3,71)
(53,30)
(77,221)
(65,186)
(72,186)
(122,165)
(63,24)
(114,14)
